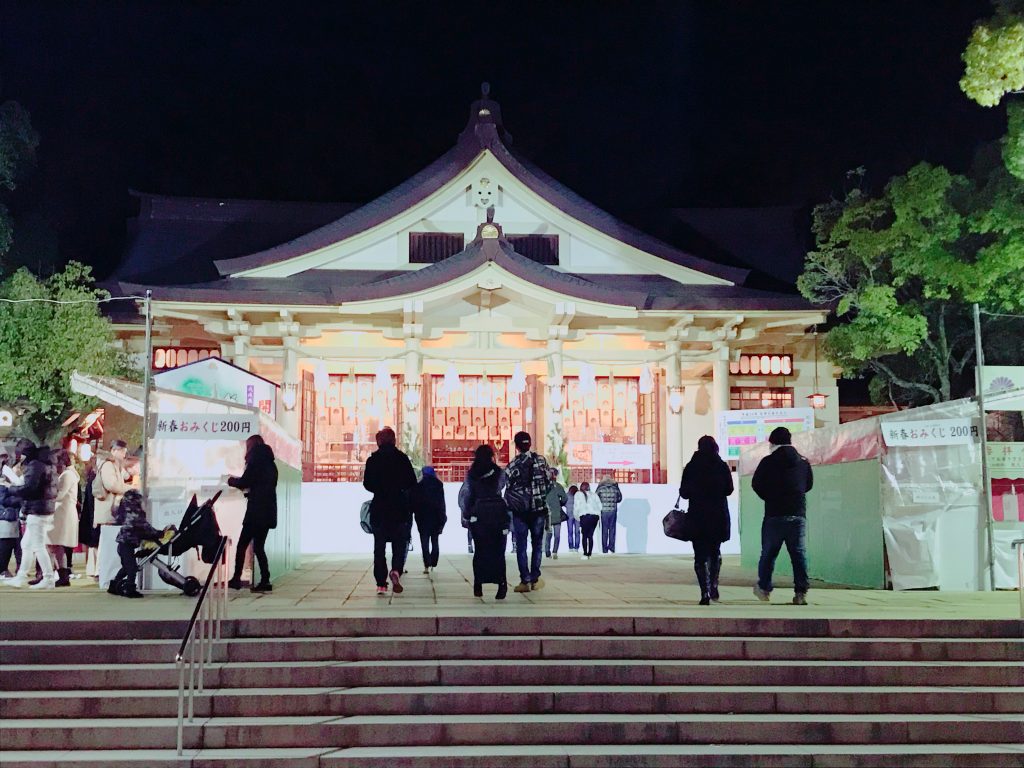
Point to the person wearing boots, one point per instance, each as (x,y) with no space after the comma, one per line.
(259,482)
(64,534)
(485,513)
(427,500)
(36,495)
(135,529)
(707,483)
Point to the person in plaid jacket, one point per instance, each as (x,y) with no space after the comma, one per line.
(529,480)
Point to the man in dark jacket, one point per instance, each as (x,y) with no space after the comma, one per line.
(37,495)
(529,480)
(389,476)
(259,482)
(427,500)
(782,480)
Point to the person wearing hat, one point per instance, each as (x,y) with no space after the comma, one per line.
(707,483)
(528,482)
(782,480)
(428,509)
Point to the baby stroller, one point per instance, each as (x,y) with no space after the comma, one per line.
(198,529)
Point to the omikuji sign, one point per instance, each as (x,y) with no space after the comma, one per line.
(206,426)
(917,434)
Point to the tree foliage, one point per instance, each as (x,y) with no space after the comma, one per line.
(43,342)
(994,57)
(902,268)
(18,142)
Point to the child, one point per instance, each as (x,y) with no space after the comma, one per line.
(134,530)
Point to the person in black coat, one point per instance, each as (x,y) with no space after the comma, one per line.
(389,476)
(428,508)
(488,518)
(707,483)
(36,496)
(259,481)
(782,480)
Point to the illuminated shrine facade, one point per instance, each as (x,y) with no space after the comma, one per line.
(478,298)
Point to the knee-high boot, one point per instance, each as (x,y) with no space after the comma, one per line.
(714,568)
(700,567)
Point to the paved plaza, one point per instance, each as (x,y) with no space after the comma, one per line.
(606,585)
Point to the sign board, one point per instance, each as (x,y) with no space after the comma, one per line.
(920,434)
(1006,472)
(620,456)
(737,429)
(206,426)
(996,379)
(219,380)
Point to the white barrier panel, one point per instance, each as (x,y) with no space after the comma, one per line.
(330,522)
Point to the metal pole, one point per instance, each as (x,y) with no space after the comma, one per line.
(191,677)
(979,354)
(147,384)
(200,630)
(181,701)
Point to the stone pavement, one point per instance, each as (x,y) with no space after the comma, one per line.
(607,585)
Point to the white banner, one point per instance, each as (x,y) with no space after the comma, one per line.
(206,426)
(917,434)
(620,456)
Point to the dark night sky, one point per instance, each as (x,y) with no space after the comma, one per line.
(634,105)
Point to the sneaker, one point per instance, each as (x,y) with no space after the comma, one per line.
(522,586)
(538,584)
(134,594)
(19,580)
(382,591)
(235,584)
(554,556)
(705,600)
(800,598)
(6,575)
(761,595)
(47,582)
(396,582)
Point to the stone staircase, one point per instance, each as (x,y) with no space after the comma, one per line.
(498,691)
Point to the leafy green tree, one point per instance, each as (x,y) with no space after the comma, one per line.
(18,142)
(43,342)
(902,268)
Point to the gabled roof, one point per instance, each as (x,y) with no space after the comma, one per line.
(484,131)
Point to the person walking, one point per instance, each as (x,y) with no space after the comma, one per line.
(10,524)
(556,501)
(259,482)
(528,479)
(610,495)
(389,476)
(428,508)
(707,483)
(782,480)
(572,523)
(64,534)
(36,495)
(485,514)
(587,507)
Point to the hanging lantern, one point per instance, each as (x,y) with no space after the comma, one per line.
(321,380)
(817,399)
(518,383)
(646,381)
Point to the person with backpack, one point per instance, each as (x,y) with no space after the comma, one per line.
(707,483)
(528,482)
(610,495)
(428,509)
(389,476)
(556,501)
(485,514)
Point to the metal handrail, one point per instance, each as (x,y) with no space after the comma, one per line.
(203,628)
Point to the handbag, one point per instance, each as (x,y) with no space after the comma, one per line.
(678,523)
(364,517)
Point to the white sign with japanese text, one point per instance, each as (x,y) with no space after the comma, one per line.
(620,456)
(206,426)
(916,434)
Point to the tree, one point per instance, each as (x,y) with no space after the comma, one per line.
(901,270)
(18,142)
(43,342)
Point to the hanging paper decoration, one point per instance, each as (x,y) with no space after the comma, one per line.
(320,378)
(451,380)
(382,380)
(646,381)
(588,382)
(518,383)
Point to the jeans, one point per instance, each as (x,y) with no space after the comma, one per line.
(551,539)
(33,545)
(776,531)
(399,549)
(572,527)
(257,536)
(529,572)
(608,530)
(588,524)
(428,543)
(9,547)
(128,575)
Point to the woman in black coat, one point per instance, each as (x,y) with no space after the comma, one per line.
(488,519)
(389,476)
(428,509)
(259,481)
(707,483)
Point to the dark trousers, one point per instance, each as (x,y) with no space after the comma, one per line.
(776,531)
(588,524)
(257,536)
(572,528)
(707,562)
(428,543)
(529,569)
(552,536)
(126,576)
(399,550)
(7,548)
(608,530)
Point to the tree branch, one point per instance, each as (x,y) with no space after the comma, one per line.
(901,382)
